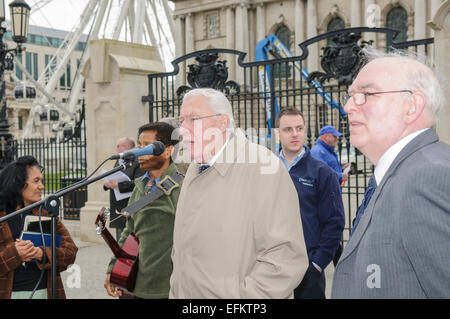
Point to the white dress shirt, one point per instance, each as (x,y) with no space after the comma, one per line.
(389,156)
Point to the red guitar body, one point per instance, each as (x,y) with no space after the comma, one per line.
(124,272)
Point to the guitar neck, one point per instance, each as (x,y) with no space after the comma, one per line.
(114,246)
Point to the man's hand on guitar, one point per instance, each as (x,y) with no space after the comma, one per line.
(112,290)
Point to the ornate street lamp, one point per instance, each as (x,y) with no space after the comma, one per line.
(20,15)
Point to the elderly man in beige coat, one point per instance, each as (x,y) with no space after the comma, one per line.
(238,231)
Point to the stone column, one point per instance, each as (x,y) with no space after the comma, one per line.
(116,79)
(299,25)
(190,46)
(242,35)
(180,48)
(251,20)
(260,21)
(420,9)
(230,41)
(355,13)
(311,31)
(441,26)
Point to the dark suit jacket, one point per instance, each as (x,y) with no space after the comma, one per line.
(124,187)
(400,248)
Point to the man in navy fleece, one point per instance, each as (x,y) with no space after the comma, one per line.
(320,199)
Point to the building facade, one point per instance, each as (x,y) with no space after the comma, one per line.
(240,24)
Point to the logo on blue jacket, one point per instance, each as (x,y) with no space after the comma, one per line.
(306,182)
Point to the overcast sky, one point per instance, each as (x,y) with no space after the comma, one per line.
(57,14)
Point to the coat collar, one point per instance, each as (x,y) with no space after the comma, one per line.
(420,141)
(329,148)
(236,147)
(171,169)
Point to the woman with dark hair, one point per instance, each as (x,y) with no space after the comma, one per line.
(20,261)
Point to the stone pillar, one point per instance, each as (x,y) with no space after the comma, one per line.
(180,48)
(260,22)
(116,79)
(420,9)
(441,26)
(190,46)
(242,35)
(355,13)
(311,31)
(230,41)
(251,20)
(299,25)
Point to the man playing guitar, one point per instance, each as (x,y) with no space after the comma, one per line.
(153,223)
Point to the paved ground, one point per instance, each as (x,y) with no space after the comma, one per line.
(86,278)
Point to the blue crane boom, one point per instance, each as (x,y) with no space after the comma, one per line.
(271,44)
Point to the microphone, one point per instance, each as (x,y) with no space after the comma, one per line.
(156,148)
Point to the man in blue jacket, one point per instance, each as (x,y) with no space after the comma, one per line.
(323,150)
(320,199)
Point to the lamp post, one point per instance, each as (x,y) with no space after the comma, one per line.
(20,15)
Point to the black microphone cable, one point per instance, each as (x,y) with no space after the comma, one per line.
(84,179)
(43,255)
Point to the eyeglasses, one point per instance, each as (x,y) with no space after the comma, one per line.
(191,119)
(360,98)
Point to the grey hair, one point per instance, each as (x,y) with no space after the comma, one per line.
(128,142)
(426,80)
(217,101)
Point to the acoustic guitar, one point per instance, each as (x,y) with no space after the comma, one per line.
(124,272)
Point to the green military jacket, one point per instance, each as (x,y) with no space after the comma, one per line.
(153,225)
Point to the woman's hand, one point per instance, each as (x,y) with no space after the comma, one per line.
(38,253)
(26,249)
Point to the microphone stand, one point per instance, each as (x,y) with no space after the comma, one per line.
(51,203)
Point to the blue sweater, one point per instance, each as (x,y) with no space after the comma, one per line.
(321,207)
(325,153)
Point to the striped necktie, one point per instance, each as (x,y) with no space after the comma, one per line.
(202,168)
(367,196)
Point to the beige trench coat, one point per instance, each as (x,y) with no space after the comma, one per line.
(238,231)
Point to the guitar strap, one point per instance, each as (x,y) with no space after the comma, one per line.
(164,186)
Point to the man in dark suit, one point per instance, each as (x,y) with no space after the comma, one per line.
(399,247)
(133,171)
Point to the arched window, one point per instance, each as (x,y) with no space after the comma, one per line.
(284,34)
(397,18)
(334,24)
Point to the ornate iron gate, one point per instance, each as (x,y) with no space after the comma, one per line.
(340,63)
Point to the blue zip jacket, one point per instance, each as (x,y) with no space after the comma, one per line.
(325,153)
(321,207)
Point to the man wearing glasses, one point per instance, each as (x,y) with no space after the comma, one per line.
(238,233)
(399,246)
